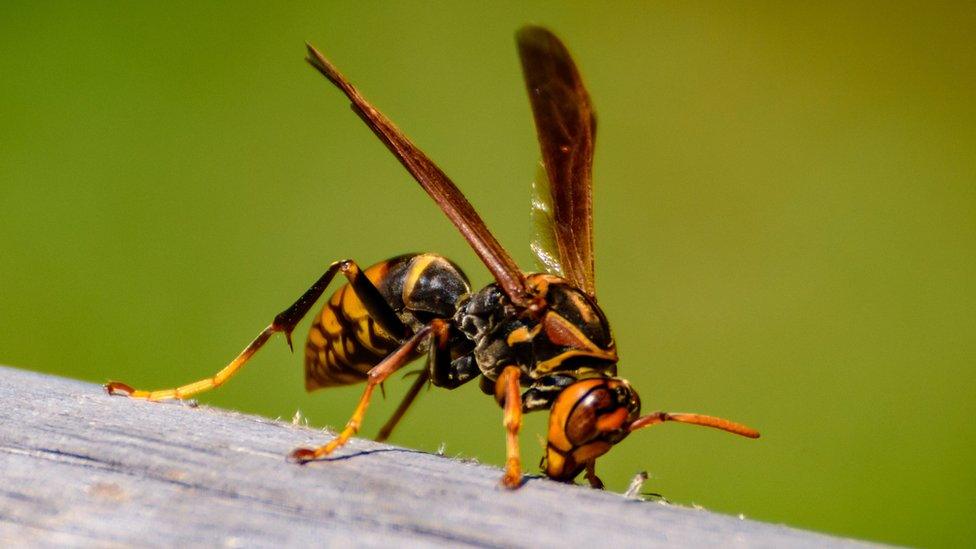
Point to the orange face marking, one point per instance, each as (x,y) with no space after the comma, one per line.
(591,451)
(555,463)
(562,408)
(612,421)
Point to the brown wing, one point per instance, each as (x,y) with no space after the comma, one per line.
(543,243)
(434,181)
(566,127)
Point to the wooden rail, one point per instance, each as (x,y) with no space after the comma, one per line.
(78,467)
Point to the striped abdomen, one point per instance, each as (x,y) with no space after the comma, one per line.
(344,342)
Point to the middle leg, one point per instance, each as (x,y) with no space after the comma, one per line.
(423,377)
(439,357)
(377,375)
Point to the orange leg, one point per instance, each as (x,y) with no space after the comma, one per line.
(422,378)
(284,322)
(439,351)
(184,391)
(507,386)
(377,375)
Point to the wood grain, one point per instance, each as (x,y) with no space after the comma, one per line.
(80,468)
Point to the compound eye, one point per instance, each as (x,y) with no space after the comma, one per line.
(586,420)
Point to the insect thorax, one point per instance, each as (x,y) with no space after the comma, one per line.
(566,340)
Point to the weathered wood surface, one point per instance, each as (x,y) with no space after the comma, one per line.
(78,467)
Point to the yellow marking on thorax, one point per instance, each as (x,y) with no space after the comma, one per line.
(418,265)
(539,282)
(547,366)
(522,335)
(561,332)
(582,306)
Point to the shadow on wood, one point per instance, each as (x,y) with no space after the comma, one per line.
(79,467)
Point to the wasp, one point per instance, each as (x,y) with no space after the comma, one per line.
(534,341)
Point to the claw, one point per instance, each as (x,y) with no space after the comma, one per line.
(288,339)
(512,482)
(116,388)
(301,456)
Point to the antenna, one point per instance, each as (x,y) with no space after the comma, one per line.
(694,419)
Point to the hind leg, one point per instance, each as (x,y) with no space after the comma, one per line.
(372,300)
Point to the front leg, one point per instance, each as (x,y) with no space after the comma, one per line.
(591,477)
(507,392)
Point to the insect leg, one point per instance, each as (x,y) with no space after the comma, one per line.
(285,322)
(449,371)
(377,375)
(439,357)
(377,307)
(591,477)
(507,388)
(423,377)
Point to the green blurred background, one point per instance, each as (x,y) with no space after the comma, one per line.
(785,222)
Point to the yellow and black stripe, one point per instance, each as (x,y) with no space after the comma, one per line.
(345,341)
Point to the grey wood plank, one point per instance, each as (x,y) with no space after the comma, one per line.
(80,468)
